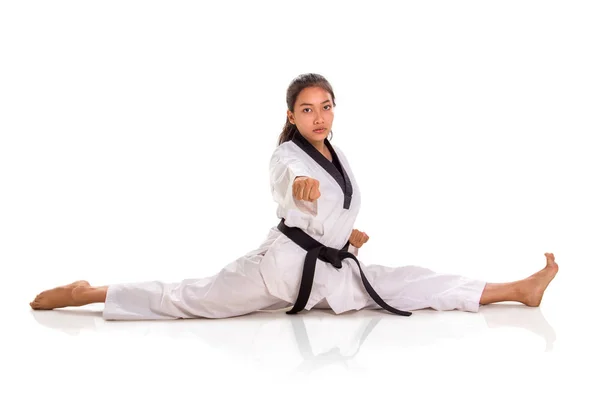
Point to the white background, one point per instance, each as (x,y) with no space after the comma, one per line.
(134,145)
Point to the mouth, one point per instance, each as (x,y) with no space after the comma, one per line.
(321,130)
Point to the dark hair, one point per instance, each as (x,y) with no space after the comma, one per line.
(296,86)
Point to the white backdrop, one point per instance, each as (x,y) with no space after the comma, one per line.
(135,136)
(135,139)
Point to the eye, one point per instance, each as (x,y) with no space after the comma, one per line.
(328,105)
(306,109)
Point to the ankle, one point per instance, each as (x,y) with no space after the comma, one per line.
(93,294)
(85,294)
(521,290)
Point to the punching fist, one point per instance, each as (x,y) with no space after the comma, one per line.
(305,188)
(358,238)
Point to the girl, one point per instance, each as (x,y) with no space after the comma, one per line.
(309,259)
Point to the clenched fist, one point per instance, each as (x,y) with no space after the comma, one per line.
(358,238)
(305,188)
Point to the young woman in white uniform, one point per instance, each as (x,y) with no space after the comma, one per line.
(309,259)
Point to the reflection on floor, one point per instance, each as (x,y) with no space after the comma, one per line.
(320,337)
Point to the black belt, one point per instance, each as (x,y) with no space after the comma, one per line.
(328,254)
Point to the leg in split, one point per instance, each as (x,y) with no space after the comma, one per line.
(413,288)
(237,289)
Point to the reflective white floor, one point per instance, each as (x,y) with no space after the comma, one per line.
(504,350)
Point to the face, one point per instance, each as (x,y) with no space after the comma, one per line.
(313,110)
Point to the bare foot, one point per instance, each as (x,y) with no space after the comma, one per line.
(533,287)
(60,296)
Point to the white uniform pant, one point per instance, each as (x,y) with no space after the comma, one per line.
(234,293)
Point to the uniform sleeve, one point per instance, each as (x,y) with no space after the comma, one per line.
(283,169)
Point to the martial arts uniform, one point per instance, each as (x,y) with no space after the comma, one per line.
(268,278)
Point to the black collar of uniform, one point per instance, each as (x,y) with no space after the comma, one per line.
(339,173)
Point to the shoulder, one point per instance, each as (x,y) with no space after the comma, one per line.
(288,146)
(285,153)
(285,149)
(339,152)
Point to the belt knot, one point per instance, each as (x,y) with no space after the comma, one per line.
(331,255)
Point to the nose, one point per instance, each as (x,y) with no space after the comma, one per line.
(319,119)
